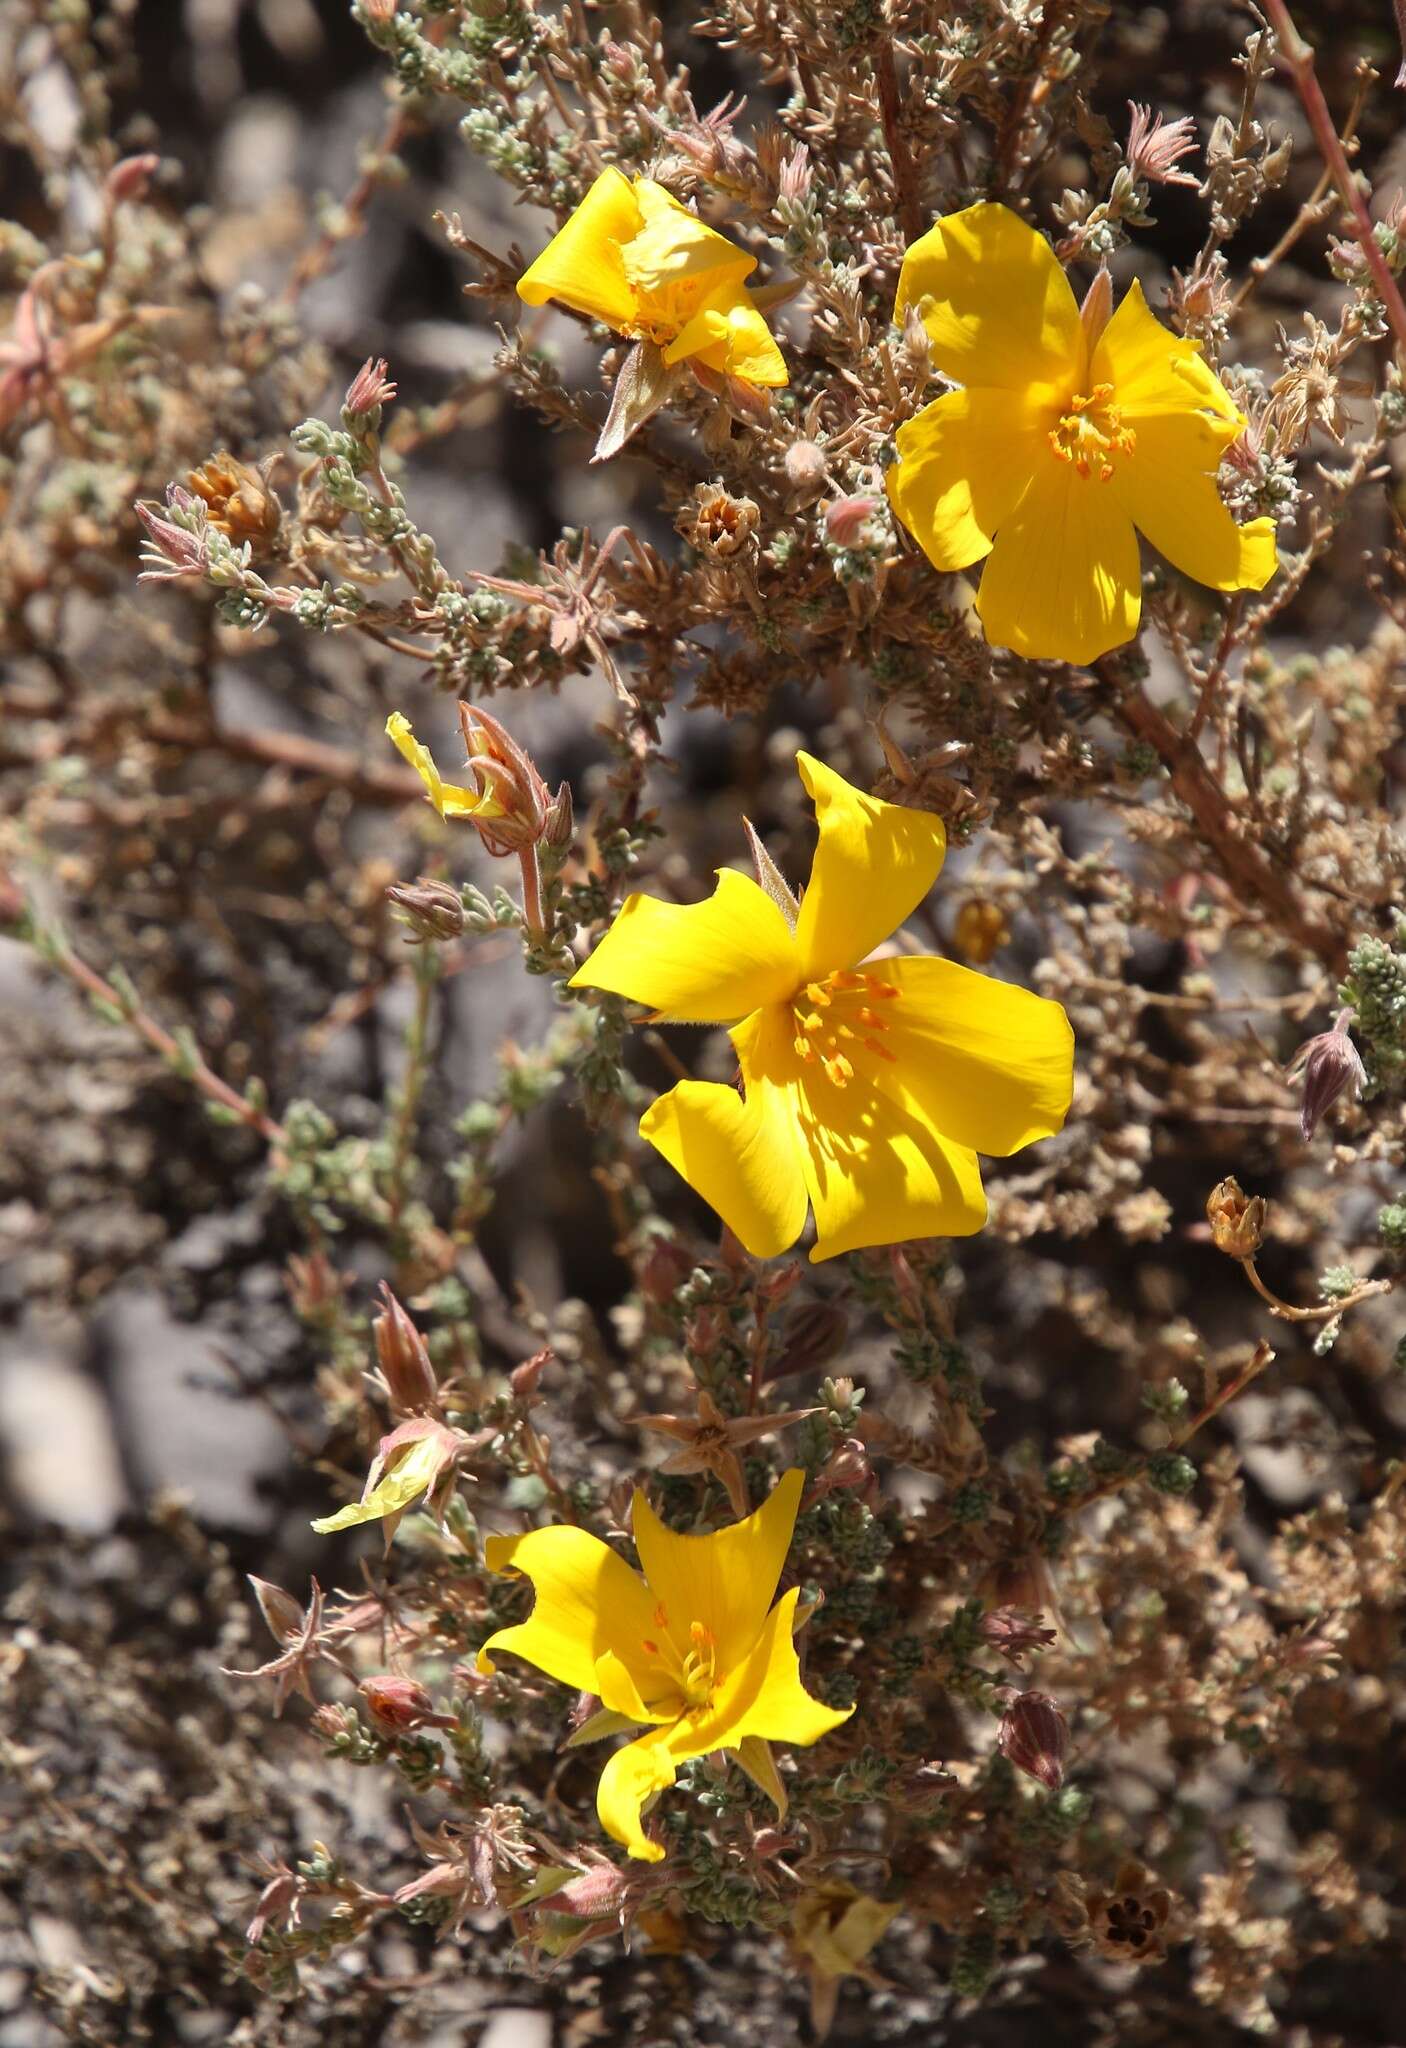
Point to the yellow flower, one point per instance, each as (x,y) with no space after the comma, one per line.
(688,1651)
(448,798)
(1064,442)
(869,1091)
(633,257)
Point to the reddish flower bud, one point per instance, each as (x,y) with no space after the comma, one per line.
(369,389)
(523,1378)
(129,179)
(402,1704)
(812,1334)
(278,1898)
(1327,1065)
(1034,1736)
(433,909)
(847,519)
(404,1360)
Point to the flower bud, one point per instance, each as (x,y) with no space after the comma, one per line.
(431,908)
(597,1894)
(129,179)
(915,349)
(403,1358)
(279,1896)
(1096,308)
(1327,1065)
(402,1704)
(523,1378)
(847,1466)
(561,821)
(1237,1220)
(1034,1736)
(847,519)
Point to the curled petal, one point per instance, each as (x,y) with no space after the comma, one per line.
(743,1158)
(582,264)
(733,339)
(1156,372)
(448,798)
(632,1779)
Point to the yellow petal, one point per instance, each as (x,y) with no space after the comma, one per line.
(672,244)
(1155,372)
(616,1689)
(411,1475)
(874,864)
(964,463)
(1171,496)
(733,339)
(582,265)
(447,797)
(765,1697)
(878,1173)
(724,1580)
(1063,582)
(589,1602)
(997,307)
(988,1065)
(743,1158)
(699,963)
(633,1776)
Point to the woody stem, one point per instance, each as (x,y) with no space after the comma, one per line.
(532,914)
(1299,59)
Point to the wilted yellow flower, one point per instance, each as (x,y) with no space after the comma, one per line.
(688,1651)
(1068,438)
(632,257)
(834,1930)
(419,1457)
(869,1091)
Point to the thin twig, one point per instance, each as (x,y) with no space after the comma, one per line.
(905,171)
(1298,58)
(1286,1311)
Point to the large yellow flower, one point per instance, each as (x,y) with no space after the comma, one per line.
(633,257)
(1062,444)
(689,1651)
(869,1091)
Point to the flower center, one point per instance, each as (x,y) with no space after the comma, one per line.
(1091,433)
(695,1674)
(839,1018)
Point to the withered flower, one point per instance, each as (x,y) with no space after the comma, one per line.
(1014,1635)
(1155,146)
(368,391)
(1327,1065)
(1129,1923)
(237,500)
(711,1441)
(297,1629)
(401,1705)
(279,1900)
(1034,1736)
(718,524)
(1237,1220)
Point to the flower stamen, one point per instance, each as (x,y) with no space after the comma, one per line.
(832,1041)
(1091,433)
